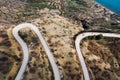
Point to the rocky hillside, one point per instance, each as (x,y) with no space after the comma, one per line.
(59,21)
(102,58)
(14,11)
(58,32)
(10,54)
(89,13)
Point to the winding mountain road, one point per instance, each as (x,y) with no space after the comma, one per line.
(26,51)
(48,52)
(79,52)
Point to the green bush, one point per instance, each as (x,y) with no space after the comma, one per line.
(99,37)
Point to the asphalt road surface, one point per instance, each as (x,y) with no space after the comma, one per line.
(79,52)
(26,51)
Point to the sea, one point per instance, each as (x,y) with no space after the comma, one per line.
(113,5)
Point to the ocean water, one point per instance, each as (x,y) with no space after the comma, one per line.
(113,5)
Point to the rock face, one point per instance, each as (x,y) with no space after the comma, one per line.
(102,58)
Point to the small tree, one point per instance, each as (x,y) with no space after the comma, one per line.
(99,37)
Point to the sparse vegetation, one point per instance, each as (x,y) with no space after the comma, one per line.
(39,6)
(94,37)
(102,58)
(59,21)
(24,34)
